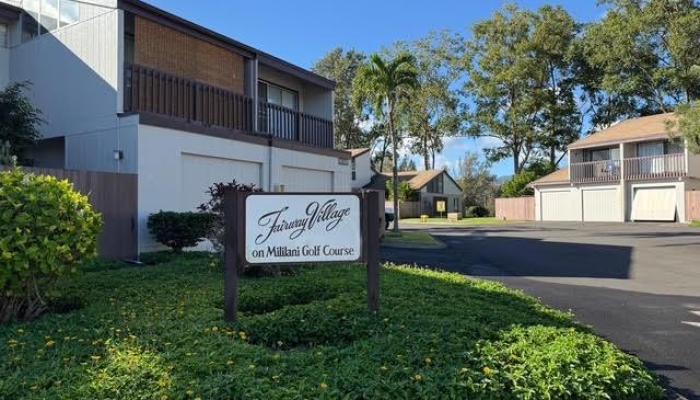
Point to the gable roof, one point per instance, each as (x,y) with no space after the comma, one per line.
(556,177)
(419,179)
(631,130)
(354,153)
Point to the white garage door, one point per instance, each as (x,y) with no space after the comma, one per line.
(306,180)
(200,172)
(601,205)
(558,206)
(654,204)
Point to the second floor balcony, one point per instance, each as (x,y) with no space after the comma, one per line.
(662,166)
(147,90)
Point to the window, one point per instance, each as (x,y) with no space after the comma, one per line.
(280,96)
(43,16)
(354,170)
(49,16)
(436,185)
(70,12)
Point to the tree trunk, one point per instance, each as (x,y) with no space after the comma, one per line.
(426,153)
(395,182)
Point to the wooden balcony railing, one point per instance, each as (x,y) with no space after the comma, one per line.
(290,124)
(656,167)
(595,171)
(147,90)
(152,91)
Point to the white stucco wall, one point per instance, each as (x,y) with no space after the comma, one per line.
(363,171)
(176,167)
(76,73)
(94,150)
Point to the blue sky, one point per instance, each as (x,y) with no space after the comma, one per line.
(302,31)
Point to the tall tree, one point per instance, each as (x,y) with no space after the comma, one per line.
(19,120)
(342,66)
(502,83)
(476,180)
(407,164)
(688,125)
(433,108)
(559,121)
(646,55)
(382,85)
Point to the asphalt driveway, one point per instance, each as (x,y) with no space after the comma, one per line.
(636,284)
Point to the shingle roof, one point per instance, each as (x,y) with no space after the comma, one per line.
(636,129)
(559,176)
(417,179)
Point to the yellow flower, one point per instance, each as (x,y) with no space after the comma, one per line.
(50,343)
(418,378)
(488,371)
(428,360)
(95,358)
(324,386)
(229,362)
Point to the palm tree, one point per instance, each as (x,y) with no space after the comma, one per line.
(383,84)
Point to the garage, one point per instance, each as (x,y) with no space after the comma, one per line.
(200,172)
(601,205)
(654,204)
(307,180)
(558,205)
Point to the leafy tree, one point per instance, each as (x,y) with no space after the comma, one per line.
(521,76)
(433,108)
(643,56)
(688,125)
(552,41)
(518,185)
(19,119)
(406,192)
(477,181)
(407,164)
(382,85)
(342,66)
(502,82)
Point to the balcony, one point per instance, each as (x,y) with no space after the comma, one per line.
(666,166)
(147,90)
(656,167)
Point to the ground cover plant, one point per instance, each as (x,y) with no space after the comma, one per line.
(411,239)
(466,222)
(157,332)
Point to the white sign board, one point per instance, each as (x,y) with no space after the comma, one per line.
(298,228)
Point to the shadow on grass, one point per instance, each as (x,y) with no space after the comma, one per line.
(427,341)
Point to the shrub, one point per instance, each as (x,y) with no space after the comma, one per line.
(46,231)
(179,230)
(406,193)
(477,212)
(215,206)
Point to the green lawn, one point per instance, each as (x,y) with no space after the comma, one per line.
(156,332)
(695,224)
(411,239)
(463,222)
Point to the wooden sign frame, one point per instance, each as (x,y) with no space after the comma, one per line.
(235,228)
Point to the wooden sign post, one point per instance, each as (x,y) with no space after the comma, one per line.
(299,228)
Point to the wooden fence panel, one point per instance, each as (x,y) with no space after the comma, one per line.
(516,209)
(115,196)
(692,209)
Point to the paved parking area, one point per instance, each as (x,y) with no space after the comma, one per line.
(636,284)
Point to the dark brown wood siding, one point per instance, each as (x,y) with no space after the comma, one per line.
(115,197)
(176,53)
